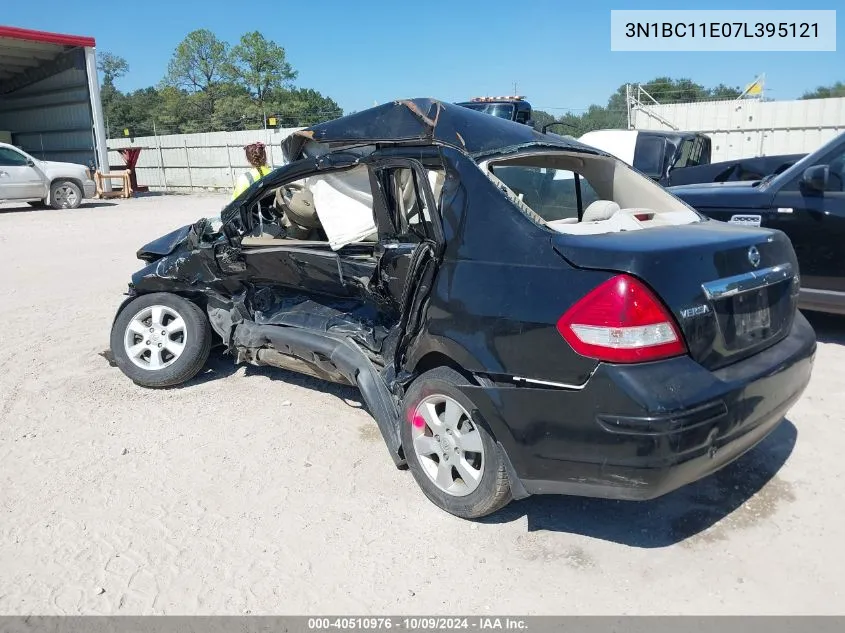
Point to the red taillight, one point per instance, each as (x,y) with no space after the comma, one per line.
(621,321)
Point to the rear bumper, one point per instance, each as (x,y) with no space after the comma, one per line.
(640,431)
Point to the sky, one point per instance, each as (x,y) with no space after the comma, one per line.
(556,52)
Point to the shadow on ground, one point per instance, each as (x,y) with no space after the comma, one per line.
(744,493)
(350,395)
(830,328)
(220,365)
(27,208)
(152,194)
(717,504)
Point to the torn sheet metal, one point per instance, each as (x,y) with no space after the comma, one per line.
(360,321)
(424,121)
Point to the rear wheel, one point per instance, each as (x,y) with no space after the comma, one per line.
(161,340)
(65,194)
(451,455)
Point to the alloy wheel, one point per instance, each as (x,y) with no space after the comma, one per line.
(155,337)
(448,445)
(66,196)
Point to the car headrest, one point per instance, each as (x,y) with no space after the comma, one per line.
(600,210)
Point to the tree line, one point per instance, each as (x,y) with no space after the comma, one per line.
(212,86)
(614,115)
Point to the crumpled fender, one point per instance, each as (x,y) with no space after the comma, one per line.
(164,245)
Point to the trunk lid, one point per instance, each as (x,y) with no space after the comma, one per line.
(727,307)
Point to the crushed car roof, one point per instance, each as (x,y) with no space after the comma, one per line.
(426,120)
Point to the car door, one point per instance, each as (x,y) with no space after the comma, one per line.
(410,232)
(20,179)
(308,261)
(370,266)
(814,220)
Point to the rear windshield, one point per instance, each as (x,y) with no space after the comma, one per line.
(553,194)
(581,193)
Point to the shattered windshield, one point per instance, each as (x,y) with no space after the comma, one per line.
(501,110)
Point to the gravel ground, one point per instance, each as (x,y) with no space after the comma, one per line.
(260,491)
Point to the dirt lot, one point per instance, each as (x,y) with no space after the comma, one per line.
(259,491)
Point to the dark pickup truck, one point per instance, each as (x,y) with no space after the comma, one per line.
(807,202)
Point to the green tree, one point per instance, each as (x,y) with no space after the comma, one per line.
(199,65)
(208,88)
(302,106)
(259,65)
(112,67)
(825,92)
(237,110)
(668,90)
(724,92)
(541,118)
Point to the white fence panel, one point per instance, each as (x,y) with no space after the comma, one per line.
(747,128)
(185,162)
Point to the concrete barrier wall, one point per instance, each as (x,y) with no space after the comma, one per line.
(195,162)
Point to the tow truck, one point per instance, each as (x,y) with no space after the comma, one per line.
(511,107)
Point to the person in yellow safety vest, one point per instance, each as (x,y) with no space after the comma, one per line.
(256,156)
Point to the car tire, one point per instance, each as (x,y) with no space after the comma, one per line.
(161,340)
(434,407)
(65,194)
(38,204)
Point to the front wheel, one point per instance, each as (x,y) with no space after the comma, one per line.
(65,194)
(452,457)
(160,340)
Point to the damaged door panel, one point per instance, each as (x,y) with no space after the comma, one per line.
(319,270)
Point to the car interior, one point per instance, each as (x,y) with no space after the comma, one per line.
(337,208)
(586,194)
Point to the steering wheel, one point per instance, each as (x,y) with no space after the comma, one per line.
(295,201)
(262,212)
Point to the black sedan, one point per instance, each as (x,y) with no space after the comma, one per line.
(807,202)
(522,314)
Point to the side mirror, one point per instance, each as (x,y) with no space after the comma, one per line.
(30,162)
(815,178)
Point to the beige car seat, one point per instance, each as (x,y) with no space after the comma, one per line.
(600,210)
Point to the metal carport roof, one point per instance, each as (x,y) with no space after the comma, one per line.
(22,50)
(50,95)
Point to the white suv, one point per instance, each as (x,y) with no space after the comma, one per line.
(42,182)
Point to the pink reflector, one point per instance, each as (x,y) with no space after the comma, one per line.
(418,421)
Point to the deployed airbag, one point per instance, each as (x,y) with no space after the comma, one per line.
(344,204)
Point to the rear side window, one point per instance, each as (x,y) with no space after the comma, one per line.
(406,199)
(11,158)
(691,153)
(649,155)
(553,194)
